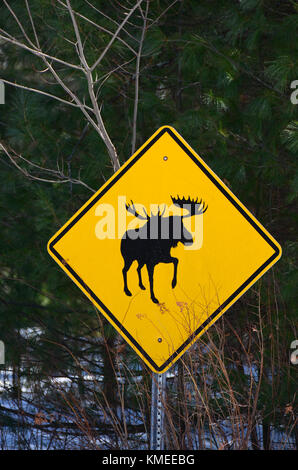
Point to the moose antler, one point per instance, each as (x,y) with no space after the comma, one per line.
(132,209)
(159,213)
(194,206)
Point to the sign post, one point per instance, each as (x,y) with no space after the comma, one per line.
(157,434)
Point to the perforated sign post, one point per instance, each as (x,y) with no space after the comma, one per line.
(163,249)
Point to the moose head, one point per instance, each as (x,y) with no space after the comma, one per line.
(151,244)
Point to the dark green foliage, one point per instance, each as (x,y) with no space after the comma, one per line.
(220,73)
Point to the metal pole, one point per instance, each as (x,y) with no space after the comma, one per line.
(157,411)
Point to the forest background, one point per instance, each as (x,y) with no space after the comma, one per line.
(86,83)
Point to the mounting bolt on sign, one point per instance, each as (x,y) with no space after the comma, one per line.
(163,249)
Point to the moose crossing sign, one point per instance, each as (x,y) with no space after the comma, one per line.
(163,249)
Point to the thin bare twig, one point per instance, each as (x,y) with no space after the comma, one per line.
(101,28)
(60,177)
(36,51)
(35,90)
(137,80)
(115,35)
(111,19)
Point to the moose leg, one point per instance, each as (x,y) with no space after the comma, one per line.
(140,276)
(173,260)
(175,263)
(124,272)
(150,269)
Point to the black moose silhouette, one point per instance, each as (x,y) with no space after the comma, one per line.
(151,244)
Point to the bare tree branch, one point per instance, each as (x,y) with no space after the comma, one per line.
(137,79)
(163,13)
(98,125)
(36,51)
(92,114)
(116,35)
(35,90)
(111,19)
(32,24)
(18,22)
(88,72)
(60,177)
(101,28)
(78,37)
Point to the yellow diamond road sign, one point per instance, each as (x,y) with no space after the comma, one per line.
(163,249)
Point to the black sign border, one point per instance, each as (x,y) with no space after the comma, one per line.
(275,247)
